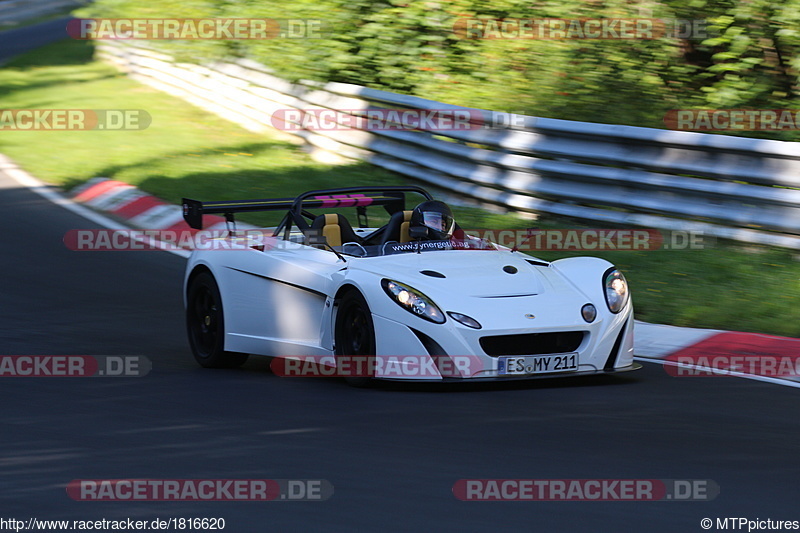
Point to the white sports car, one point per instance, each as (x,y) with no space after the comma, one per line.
(416,293)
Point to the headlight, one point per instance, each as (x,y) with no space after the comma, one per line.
(413,301)
(616,290)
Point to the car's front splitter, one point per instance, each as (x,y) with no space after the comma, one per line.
(525,377)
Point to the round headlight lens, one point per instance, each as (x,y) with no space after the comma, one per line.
(413,301)
(589,313)
(616,290)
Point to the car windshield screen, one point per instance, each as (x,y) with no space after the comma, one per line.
(393,248)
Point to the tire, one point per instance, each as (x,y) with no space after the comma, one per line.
(354,332)
(205,325)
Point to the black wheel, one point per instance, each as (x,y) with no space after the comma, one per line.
(354,332)
(205,324)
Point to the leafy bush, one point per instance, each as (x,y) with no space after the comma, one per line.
(748,59)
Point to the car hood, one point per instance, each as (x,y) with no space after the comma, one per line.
(477,273)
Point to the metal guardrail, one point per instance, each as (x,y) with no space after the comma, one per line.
(730,187)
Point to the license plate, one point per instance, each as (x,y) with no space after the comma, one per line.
(537,364)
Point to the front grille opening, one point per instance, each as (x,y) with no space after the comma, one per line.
(532,343)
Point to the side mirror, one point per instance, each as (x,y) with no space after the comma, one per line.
(418,233)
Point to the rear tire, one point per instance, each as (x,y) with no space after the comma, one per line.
(355,332)
(205,324)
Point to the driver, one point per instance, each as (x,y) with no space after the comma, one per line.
(432,220)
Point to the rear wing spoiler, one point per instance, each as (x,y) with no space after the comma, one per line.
(193,210)
(392,198)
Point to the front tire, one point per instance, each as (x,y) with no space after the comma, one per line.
(205,324)
(355,332)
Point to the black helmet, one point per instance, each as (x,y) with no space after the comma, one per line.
(433,220)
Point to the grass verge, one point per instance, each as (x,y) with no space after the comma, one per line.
(189,152)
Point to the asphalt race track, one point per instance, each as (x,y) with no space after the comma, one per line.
(392,453)
(14,42)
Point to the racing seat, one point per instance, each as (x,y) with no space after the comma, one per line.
(334,229)
(397,228)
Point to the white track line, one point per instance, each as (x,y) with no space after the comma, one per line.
(9,168)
